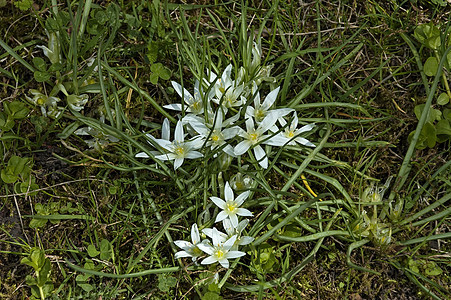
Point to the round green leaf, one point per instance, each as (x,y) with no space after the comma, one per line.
(431,66)
(40,64)
(153,78)
(106,250)
(92,251)
(431,134)
(41,76)
(443,99)
(443,127)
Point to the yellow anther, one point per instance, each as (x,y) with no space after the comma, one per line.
(253,136)
(231,206)
(179,150)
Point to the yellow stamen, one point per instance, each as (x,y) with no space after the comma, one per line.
(179,151)
(231,206)
(253,137)
(259,114)
(219,254)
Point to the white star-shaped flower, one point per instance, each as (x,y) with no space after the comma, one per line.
(215,136)
(260,110)
(178,149)
(190,249)
(253,137)
(220,251)
(228,92)
(291,134)
(231,207)
(193,104)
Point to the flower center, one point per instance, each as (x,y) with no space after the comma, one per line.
(196,251)
(221,86)
(289,134)
(195,106)
(253,137)
(179,150)
(219,254)
(259,114)
(231,206)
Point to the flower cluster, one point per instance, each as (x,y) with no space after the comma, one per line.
(221,246)
(227,115)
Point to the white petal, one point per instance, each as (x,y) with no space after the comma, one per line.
(196,142)
(179,132)
(241,197)
(259,153)
(235,254)
(229,243)
(267,123)
(216,238)
(224,262)
(195,238)
(242,147)
(167,156)
(164,144)
(242,225)
(228,192)
(165,130)
(209,232)
(175,106)
(277,140)
(193,154)
(182,254)
(219,202)
(183,244)
(245,240)
(218,120)
(243,212)
(206,248)
(227,224)
(249,112)
(280,112)
(177,163)
(249,124)
(305,128)
(230,133)
(229,150)
(271,98)
(199,127)
(178,88)
(234,220)
(304,142)
(141,155)
(221,216)
(209,260)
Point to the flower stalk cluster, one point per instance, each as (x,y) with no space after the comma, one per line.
(372,224)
